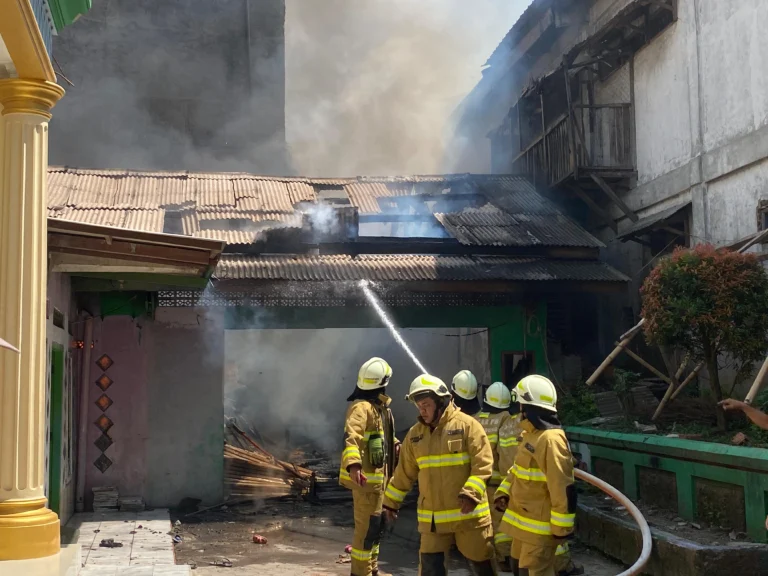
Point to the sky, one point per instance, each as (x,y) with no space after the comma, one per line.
(371,84)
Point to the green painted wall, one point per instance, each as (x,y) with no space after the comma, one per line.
(510,330)
(687,460)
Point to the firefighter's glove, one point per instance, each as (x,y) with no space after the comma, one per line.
(467,504)
(389,516)
(376,450)
(501,503)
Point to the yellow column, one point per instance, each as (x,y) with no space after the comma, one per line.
(27,528)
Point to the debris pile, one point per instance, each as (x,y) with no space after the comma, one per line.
(105,499)
(252,472)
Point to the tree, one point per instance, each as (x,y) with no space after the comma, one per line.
(708,303)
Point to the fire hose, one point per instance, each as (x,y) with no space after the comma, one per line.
(645,553)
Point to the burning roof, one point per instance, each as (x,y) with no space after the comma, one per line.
(473,210)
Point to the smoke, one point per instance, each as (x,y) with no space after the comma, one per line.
(298,380)
(173,86)
(371,84)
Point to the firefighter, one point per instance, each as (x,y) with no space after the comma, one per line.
(538,495)
(464,392)
(448,452)
(509,433)
(368,461)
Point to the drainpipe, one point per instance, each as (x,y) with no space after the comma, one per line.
(82,433)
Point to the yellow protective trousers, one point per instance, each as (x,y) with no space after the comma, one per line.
(501,541)
(475,544)
(368,531)
(563,559)
(537,559)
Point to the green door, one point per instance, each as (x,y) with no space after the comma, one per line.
(54,456)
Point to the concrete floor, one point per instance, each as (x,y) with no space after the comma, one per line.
(310,542)
(147,548)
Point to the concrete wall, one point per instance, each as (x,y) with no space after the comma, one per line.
(185,392)
(173,85)
(167,406)
(298,380)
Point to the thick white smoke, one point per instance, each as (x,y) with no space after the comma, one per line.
(371,84)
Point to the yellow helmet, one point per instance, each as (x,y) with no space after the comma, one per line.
(535,390)
(425,384)
(498,396)
(465,385)
(374,374)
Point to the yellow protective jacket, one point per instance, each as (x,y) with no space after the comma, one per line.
(455,459)
(492,424)
(542,498)
(509,439)
(365,417)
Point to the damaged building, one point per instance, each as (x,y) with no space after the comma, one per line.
(180,298)
(636,117)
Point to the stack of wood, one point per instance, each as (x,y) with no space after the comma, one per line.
(252,472)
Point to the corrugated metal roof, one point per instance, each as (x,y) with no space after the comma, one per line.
(411,268)
(522,217)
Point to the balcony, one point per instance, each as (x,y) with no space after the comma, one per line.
(594,139)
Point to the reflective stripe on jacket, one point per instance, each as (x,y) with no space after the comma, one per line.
(537,485)
(364,418)
(492,424)
(509,438)
(455,459)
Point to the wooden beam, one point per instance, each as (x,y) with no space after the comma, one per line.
(569,102)
(614,197)
(126,250)
(599,212)
(661,4)
(649,367)
(626,338)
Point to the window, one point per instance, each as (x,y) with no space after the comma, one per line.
(762,216)
(172,223)
(515,366)
(335,195)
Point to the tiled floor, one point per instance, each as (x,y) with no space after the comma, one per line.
(147,547)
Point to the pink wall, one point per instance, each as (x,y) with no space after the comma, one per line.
(121,338)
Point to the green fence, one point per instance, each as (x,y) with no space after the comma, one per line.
(704,479)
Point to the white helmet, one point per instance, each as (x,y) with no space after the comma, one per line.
(535,390)
(498,396)
(465,385)
(426,383)
(374,374)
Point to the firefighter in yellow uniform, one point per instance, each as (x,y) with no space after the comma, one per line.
(368,461)
(464,392)
(449,454)
(494,415)
(538,495)
(509,434)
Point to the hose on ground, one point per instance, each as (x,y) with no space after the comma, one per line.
(645,530)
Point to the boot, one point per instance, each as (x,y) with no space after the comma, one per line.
(433,564)
(572,570)
(484,568)
(505,565)
(515,566)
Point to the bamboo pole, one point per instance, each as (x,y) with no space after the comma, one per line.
(626,338)
(688,380)
(649,367)
(758,383)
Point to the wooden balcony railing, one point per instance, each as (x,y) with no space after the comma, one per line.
(599,136)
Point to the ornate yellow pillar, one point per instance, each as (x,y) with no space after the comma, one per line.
(27,528)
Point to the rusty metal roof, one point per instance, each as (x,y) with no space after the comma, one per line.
(511,212)
(399,267)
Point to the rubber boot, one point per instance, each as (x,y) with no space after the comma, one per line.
(484,568)
(433,564)
(505,564)
(515,566)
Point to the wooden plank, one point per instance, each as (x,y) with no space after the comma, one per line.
(661,4)
(574,164)
(599,212)
(613,196)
